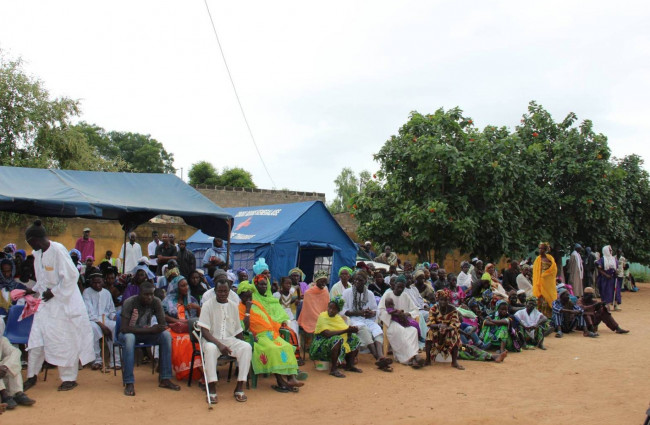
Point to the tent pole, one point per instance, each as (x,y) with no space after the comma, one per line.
(228,248)
(124,252)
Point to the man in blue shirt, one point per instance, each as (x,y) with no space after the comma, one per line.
(215,256)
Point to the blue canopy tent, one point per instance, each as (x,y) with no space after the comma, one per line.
(286,235)
(130,198)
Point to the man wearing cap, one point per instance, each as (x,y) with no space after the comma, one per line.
(61,332)
(101,313)
(566,315)
(85,244)
(133,253)
(367,248)
(210,293)
(596,312)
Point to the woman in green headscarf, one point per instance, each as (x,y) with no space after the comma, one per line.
(262,294)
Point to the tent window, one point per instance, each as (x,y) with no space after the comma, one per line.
(323,263)
(243,260)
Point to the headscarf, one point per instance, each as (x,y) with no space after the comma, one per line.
(245,286)
(346,268)
(148,272)
(297,270)
(401,278)
(434,266)
(168,273)
(338,300)
(75,251)
(260,266)
(21,252)
(561,291)
(496,307)
(12,247)
(420,272)
(9,284)
(589,290)
(269,302)
(173,285)
(443,294)
(532,298)
(609,262)
(320,274)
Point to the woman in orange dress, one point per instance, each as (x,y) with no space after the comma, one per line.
(179,306)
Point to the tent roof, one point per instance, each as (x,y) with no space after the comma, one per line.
(266,223)
(131,198)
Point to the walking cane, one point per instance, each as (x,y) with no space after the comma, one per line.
(103,343)
(197,334)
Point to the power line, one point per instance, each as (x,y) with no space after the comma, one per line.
(232,82)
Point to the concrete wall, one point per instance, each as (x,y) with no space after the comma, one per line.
(107,234)
(229,197)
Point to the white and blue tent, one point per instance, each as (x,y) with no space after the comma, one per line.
(302,234)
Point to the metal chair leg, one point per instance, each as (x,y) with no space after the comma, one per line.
(189,380)
(230,370)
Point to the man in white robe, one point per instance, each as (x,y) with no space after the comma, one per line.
(576,271)
(102,314)
(533,323)
(133,253)
(61,332)
(222,333)
(360,307)
(403,340)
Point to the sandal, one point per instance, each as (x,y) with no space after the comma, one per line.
(96,366)
(280,388)
(353,369)
(337,374)
(129,391)
(386,369)
(459,367)
(213,398)
(67,386)
(240,396)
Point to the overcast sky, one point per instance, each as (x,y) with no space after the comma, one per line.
(325,84)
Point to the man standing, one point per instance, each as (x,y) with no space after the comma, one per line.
(165,252)
(61,332)
(137,327)
(576,271)
(85,244)
(133,253)
(222,333)
(367,248)
(215,256)
(589,266)
(186,259)
(151,249)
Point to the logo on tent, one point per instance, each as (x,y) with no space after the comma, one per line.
(244,223)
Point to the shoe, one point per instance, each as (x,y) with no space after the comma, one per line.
(559,334)
(10,402)
(29,383)
(22,399)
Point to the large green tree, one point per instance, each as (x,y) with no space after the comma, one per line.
(443,184)
(204,172)
(347,185)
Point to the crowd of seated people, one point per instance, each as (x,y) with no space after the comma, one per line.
(478,314)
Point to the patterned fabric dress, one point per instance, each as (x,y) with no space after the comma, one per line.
(321,347)
(271,353)
(443,342)
(494,335)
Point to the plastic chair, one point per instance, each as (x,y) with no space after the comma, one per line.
(15,331)
(196,351)
(120,346)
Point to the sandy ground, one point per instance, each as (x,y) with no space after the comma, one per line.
(577,380)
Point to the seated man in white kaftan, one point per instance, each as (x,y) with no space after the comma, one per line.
(402,339)
(102,314)
(360,307)
(222,333)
